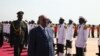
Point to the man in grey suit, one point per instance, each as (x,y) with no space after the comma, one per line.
(39,40)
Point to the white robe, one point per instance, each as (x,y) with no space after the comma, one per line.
(82,36)
(70,32)
(61,34)
(30,27)
(8,28)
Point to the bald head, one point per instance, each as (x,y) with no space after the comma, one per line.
(42,21)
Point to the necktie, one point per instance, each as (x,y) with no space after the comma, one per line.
(46,33)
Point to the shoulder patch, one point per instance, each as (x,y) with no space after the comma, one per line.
(65,27)
(85,27)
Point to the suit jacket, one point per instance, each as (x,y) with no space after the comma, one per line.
(38,43)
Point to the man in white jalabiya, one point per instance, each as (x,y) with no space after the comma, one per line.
(81,38)
(61,37)
(69,36)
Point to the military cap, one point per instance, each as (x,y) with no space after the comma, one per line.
(20,12)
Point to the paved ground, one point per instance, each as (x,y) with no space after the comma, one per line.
(92,48)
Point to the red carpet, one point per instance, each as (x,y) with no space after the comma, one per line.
(6,50)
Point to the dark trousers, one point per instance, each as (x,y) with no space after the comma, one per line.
(99,49)
(55,34)
(79,51)
(98,34)
(60,48)
(92,34)
(89,35)
(17,50)
(75,34)
(85,49)
(1,40)
(68,45)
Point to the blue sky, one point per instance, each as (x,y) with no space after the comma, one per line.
(53,9)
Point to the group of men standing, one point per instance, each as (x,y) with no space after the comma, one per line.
(39,39)
(65,34)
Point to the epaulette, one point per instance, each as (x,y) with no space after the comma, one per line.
(85,27)
(65,27)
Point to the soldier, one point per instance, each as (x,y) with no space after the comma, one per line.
(61,37)
(92,31)
(55,30)
(7,30)
(81,38)
(1,34)
(86,31)
(18,34)
(31,25)
(89,28)
(98,30)
(99,42)
(69,36)
(75,30)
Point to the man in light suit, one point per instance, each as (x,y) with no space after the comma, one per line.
(50,34)
(81,38)
(98,42)
(39,40)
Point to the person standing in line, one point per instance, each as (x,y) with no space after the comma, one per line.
(55,30)
(69,36)
(75,30)
(86,34)
(99,43)
(18,34)
(8,30)
(89,27)
(61,37)
(92,31)
(31,25)
(98,31)
(81,38)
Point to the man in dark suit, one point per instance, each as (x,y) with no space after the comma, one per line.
(39,42)
(18,34)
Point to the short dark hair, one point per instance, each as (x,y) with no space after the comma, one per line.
(61,20)
(81,18)
(70,20)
